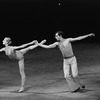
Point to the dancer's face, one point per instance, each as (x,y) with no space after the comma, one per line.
(6,41)
(57,36)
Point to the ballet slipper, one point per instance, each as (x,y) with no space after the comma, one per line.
(21,90)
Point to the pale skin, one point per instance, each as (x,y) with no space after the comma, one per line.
(61,40)
(19,56)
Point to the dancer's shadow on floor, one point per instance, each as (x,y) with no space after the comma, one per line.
(26,91)
(29,89)
(84,90)
(47,84)
(39,85)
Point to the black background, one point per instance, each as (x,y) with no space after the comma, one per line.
(26,20)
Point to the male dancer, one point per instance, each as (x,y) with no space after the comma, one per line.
(69,60)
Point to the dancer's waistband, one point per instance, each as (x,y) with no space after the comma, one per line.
(68,57)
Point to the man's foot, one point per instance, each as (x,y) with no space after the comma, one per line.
(77,90)
(83,86)
(21,90)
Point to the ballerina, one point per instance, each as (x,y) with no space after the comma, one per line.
(13,53)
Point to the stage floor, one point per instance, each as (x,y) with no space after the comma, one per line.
(44,75)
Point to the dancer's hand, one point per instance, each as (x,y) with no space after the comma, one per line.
(35,41)
(42,42)
(91,34)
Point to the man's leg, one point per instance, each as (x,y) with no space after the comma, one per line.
(75,75)
(72,84)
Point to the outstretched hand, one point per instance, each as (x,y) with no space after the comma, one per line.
(91,34)
(42,42)
(35,41)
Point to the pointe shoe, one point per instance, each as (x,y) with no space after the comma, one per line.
(21,90)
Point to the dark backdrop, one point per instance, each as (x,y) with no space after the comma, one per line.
(26,20)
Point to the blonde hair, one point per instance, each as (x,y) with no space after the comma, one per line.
(8,40)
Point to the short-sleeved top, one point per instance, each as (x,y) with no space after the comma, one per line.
(66,48)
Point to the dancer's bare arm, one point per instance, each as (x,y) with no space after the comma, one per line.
(48,46)
(24,45)
(81,37)
(2,49)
